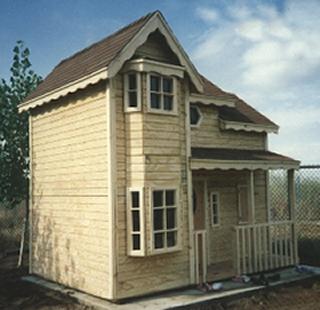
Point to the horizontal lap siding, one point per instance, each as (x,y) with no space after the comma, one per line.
(209,134)
(221,238)
(70,192)
(150,152)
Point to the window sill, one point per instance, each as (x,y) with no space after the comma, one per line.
(165,251)
(162,112)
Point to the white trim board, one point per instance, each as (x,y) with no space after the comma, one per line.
(207,100)
(211,164)
(227,125)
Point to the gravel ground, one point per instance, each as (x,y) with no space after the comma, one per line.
(17,294)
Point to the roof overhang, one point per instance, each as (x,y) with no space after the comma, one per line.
(237,126)
(65,90)
(211,164)
(146,65)
(239,159)
(208,100)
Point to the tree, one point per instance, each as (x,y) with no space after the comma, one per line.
(14,136)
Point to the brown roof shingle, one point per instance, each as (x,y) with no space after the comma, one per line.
(89,60)
(242,112)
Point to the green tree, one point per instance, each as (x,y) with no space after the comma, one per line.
(14,137)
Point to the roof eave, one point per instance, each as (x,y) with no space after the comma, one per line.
(250,127)
(69,88)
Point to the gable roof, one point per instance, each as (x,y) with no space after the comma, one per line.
(242,112)
(104,59)
(89,60)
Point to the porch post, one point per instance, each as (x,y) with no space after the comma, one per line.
(251,197)
(292,212)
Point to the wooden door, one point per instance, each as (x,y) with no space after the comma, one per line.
(200,238)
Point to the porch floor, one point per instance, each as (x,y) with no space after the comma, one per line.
(180,298)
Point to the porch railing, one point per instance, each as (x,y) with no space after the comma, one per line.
(261,247)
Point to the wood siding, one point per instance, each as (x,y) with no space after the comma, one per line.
(70,188)
(209,134)
(221,238)
(150,153)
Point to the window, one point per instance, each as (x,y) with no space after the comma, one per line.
(165,226)
(243,204)
(161,93)
(135,223)
(132,95)
(215,208)
(195,116)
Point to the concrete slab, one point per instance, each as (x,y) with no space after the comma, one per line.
(178,299)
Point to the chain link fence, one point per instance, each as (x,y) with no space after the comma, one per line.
(11,226)
(307,181)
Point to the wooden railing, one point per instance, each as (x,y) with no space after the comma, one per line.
(261,247)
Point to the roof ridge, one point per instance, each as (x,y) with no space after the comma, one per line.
(146,17)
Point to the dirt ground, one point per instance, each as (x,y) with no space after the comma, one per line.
(17,294)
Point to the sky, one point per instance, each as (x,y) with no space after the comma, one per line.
(267,52)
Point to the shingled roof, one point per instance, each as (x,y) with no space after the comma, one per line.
(89,60)
(242,112)
(99,55)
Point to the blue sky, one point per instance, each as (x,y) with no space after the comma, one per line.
(268,52)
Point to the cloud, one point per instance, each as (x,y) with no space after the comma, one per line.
(207,15)
(271,58)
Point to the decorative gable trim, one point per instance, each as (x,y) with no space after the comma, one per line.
(237,126)
(156,22)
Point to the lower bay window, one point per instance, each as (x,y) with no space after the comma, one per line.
(163,225)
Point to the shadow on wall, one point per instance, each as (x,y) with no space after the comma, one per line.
(53,255)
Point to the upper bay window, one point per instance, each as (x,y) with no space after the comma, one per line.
(132,91)
(161,93)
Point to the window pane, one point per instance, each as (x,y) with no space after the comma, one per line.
(171,218)
(133,102)
(155,101)
(132,81)
(167,102)
(158,219)
(135,221)
(154,83)
(135,200)
(157,198)
(170,197)
(159,241)
(194,116)
(136,242)
(171,239)
(167,85)
(214,198)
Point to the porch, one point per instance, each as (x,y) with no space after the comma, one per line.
(233,231)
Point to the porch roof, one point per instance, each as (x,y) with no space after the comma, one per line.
(224,159)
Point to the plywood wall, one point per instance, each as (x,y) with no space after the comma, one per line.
(150,153)
(208,134)
(70,188)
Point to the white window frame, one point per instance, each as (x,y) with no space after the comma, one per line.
(174,110)
(217,194)
(166,249)
(127,108)
(192,105)
(130,232)
(239,187)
